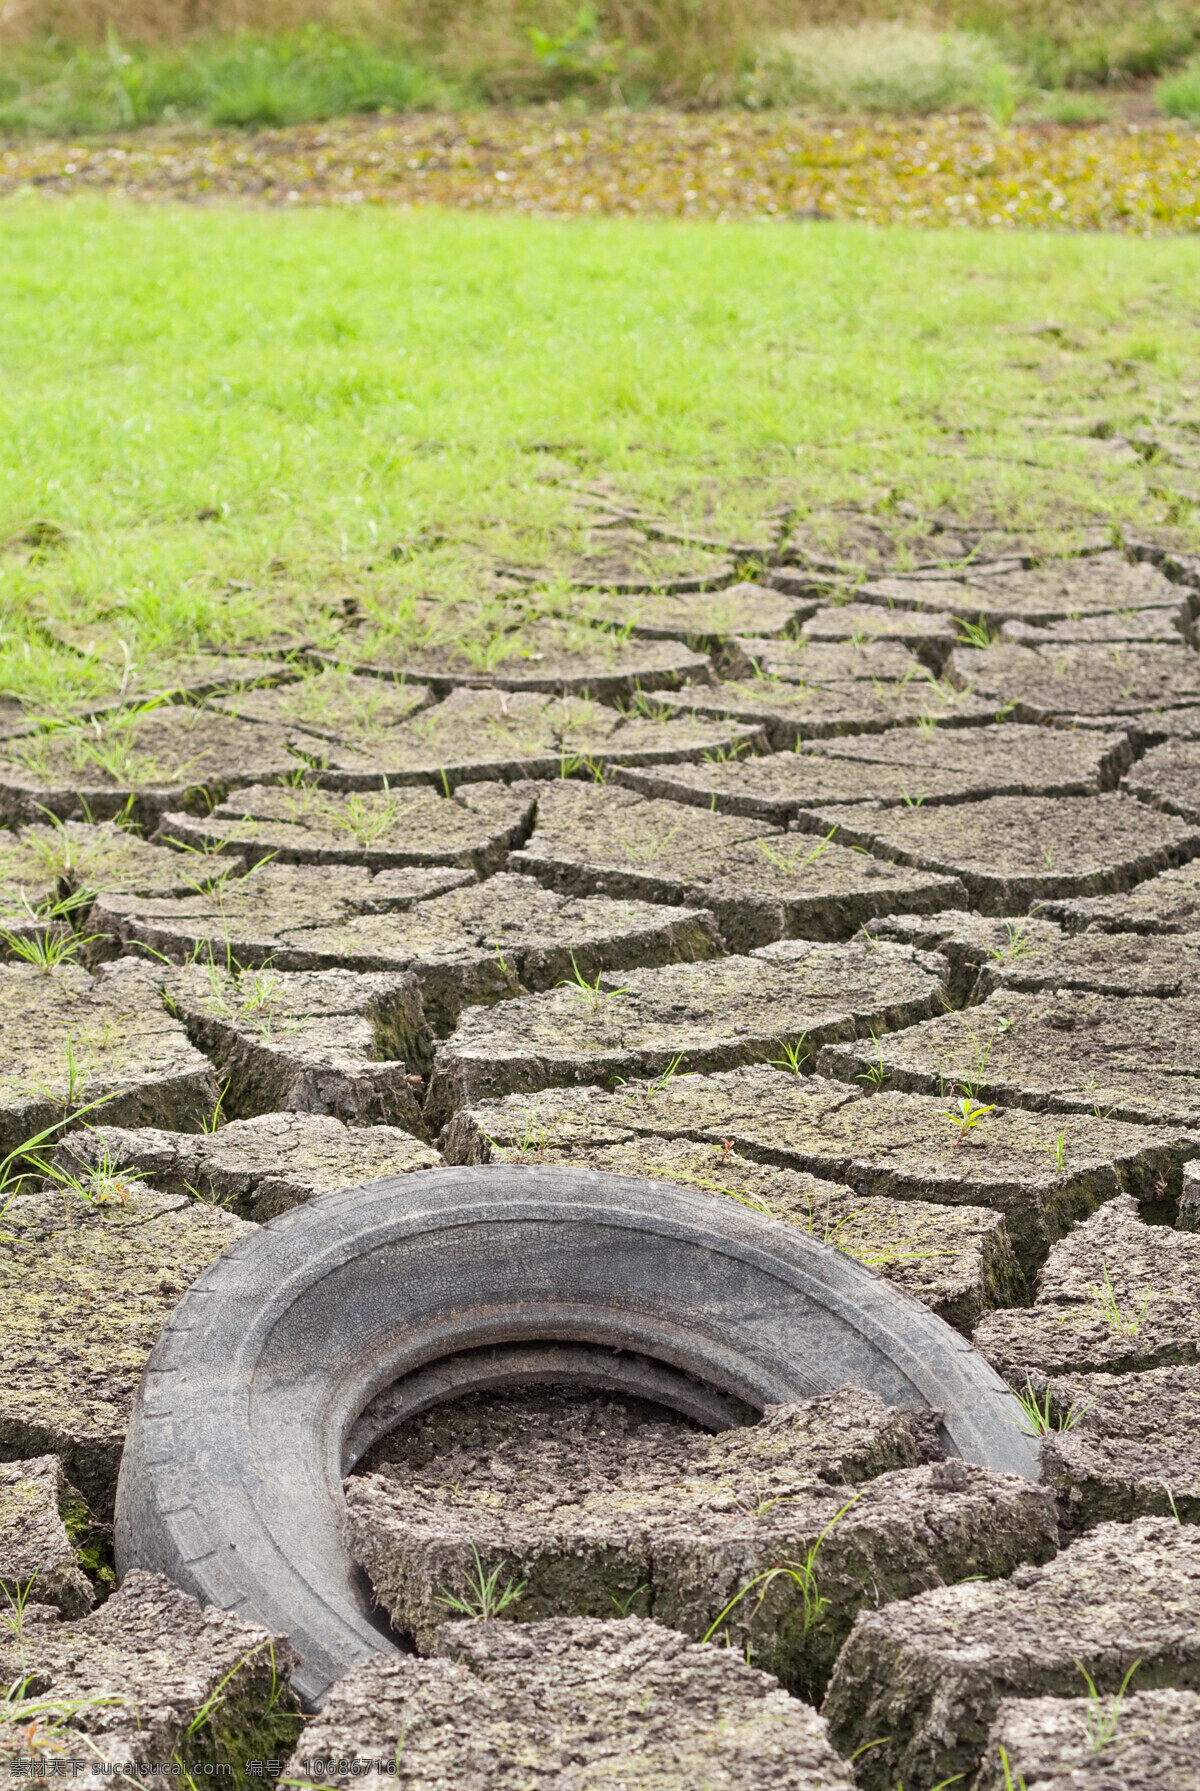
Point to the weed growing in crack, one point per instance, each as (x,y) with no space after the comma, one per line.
(652,848)
(591,992)
(623,1604)
(483,1596)
(1103,1714)
(1041,1416)
(1126,1324)
(974,634)
(878,1073)
(1058,1150)
(1017,944)
(802,1575)
(45,1721)
(795,1056)
(50,946)
(799,860)
(657,1086)
(13,1618)
(966,1115)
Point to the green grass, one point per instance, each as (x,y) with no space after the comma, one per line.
(372,405)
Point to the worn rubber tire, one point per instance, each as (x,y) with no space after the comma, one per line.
(231,1478)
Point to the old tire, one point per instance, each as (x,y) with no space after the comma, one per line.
(231,1478)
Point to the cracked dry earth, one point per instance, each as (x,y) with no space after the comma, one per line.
(869,899)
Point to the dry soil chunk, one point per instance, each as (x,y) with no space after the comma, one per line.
(976,946)
(152,1677)
(679,1523)
(384,830)
(333,704)
(70,1041)
(695,1016)
(1115,1295)
(1168,903)
(907,766)
(1011,851)
(956,1260)
(1157,627)
(1169,778)
(322,1042)
(253,1167)
(552,655)
(1062,590)
(760,886)
(1058,1051)
(36,1558)
(929,637)
(825,664)
(929,1673)
(141,764)
(46,862)
(1106,963)
(708,619)
(594,1703)
(892,1146)
(85,1287)
(1148,1741)
(480,942)
(790,712)
(1123,1445)
(1040,683)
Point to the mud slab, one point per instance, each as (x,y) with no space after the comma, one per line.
(483,942)
(37,1560)
(679,1525)
(976,946)
(825,665)
(595,1703)
(1039,684)
(1012,851)
(140,765)
(1145,727)
(1168,903)
(321,1042)
(255,1168)
(151,1677)
(332,704)
(116,1265)
(891,1146)
(956,1260)
(1105,963)
(707,621)
(556,657)
(476,828)
(594,840)
(1169,778)
(1123,1445)
(1061,591)
(481,735)
(1061,1051)
(1150,1743)
(929,637)
(789,713)
(907,766)
(48,862)
(71,1041)
(1157,627)
(929,1673)
(693,1016)
(1115,1296)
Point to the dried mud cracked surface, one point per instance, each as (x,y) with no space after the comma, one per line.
(868,898)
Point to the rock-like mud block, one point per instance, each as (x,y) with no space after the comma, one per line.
(253,1167)
(332,704)
(552,655)
(695,1016)
(1102,963)
(44,863)
(1011,851)
(1040,684)
(760,885)
(1145,1741)
(891,1146)
(660,1517)
(319,1042)
(929,636)
(907,767)
(790,712)
(1168,903)
(956,1260)
(1169,778)
(595,1703)
(70,1041)
(1058,1051)
(1115,1295)
(980,948)
(924,1678)
(1164,627)
(141,763)
(706,620)
(1059,591)
(114,1264)
(37,1561)
(150,1678)
(825,664)
(1123,1445)
(478,942)
(384,830)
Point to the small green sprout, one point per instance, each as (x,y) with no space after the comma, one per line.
(484,1597)
(966,1114)
(1125,1324)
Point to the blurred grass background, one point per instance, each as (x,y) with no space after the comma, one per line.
(102,65)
